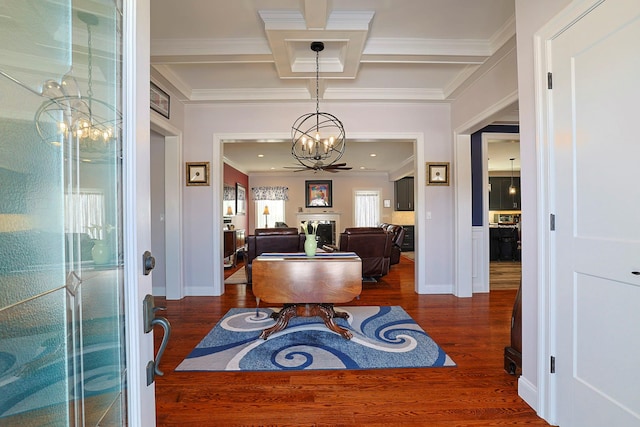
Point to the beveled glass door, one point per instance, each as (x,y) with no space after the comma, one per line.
(62,340)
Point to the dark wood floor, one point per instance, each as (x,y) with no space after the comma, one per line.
(473,331)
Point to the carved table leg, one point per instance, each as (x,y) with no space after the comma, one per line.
(325,311)
(282,320)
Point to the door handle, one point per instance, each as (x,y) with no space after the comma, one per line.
(150,320)
(148,262)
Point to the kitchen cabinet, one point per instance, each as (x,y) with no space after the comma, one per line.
(408,242)
(404,194)
(499,197)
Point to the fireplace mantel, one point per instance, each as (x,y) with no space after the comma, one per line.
(322,216)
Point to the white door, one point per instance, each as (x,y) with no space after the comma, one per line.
(595,181)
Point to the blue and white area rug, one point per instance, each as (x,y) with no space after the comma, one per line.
(383,337)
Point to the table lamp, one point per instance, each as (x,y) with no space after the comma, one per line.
(266,214)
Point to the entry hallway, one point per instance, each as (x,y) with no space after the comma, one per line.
(473,331)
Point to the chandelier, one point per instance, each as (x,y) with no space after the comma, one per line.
(91,125)
(318,139)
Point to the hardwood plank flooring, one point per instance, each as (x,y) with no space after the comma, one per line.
(473,331)
(504,274)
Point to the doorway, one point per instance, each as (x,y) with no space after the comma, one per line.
(409,168)
(502,166)
(166,212)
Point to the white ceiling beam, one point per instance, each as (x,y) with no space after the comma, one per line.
(316,14)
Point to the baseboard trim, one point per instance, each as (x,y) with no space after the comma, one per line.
(528,392)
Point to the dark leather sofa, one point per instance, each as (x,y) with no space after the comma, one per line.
(281,239)
(372,245)
(398,237)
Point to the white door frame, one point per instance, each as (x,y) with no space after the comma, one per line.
(136,208)
(420,273)
(547,385)
(174,286)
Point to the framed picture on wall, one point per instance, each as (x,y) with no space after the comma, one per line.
(318,194)
(438,173)
(159,100)
(197,173)
(241,199)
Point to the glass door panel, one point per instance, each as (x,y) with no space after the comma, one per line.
(61,283)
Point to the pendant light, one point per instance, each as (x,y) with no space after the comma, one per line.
(512,188)
(318,139)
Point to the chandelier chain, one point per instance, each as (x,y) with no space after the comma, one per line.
(317,82)
(90,63)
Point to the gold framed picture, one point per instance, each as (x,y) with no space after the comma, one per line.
(438,173)
(197,173)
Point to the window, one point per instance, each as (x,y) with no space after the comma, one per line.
(367,211)
(276,213)
(85,213)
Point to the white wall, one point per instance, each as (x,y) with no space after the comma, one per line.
(496,81)
(203,122)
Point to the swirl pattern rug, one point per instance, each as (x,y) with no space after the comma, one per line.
(383,337)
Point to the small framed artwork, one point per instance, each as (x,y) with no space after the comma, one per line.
(159,100)
(197,173)
(318,194)
(241,199)
(438,173)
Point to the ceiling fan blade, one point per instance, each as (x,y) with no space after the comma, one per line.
(340,168)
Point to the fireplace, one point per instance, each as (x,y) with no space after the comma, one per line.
(326,233)
(328,226)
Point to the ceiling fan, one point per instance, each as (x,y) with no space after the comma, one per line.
(319,166)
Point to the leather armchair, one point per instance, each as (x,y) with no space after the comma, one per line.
(398,238)
(281,239)
(372,245)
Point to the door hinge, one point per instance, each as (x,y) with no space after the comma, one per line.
(552,222)
(549,81)
(552,365)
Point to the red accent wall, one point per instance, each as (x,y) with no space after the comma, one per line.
(231,176)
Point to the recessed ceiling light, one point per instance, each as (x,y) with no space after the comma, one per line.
(372,155)
(261,155)
(362,167)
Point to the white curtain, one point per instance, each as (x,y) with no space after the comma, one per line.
(84,213)
(367,204)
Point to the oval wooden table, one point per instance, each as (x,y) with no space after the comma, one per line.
(307,286)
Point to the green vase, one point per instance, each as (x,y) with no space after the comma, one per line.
(310,245)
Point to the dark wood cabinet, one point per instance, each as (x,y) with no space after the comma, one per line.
(404,194)
(408,242)
(499,197)
(234,241)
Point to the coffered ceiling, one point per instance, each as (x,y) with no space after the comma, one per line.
(375,50)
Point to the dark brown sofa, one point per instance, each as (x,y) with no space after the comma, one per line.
(398,238)
(372,245)
(282,239)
